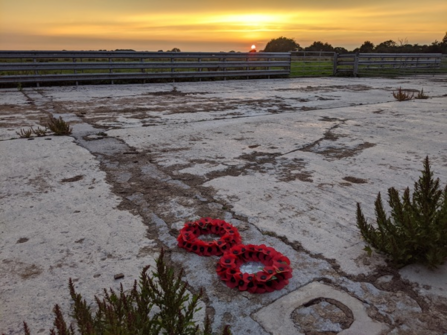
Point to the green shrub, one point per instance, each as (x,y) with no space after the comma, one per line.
(133,312)
(416,232)
(59,126)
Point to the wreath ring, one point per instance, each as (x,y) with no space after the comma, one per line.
(189,237)
(273,276)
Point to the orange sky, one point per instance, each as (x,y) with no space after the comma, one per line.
(197,25)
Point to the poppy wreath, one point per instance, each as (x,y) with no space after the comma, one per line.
(273,276)
(189,237)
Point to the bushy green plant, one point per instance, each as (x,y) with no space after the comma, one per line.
(59,126)
(151,307)
(416,231)
(401,95)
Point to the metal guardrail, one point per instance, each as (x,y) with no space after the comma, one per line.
(56,66)
(388,64)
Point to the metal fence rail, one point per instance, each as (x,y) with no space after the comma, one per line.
(370,64)
(56,66)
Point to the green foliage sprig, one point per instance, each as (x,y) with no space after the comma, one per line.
(401,95)
(151,307)
(59,126)
(416,231)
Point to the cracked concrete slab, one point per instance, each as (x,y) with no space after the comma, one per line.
(285,161)
(59,220)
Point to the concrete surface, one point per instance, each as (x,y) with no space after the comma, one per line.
(283,160)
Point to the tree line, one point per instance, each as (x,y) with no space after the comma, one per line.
(284,44)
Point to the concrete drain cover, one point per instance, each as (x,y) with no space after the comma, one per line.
(322,316)
(317,309)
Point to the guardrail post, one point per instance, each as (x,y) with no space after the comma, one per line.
(334,64)
(200,68)
(75,71)
(36,72)
(172,70)
(355,70)
(110,69)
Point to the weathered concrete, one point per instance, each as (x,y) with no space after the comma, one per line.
(276,319)
(59,220)
(283,160)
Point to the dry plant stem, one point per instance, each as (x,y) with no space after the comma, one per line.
(39,132)
(400,95)
(25,133)
(421,95)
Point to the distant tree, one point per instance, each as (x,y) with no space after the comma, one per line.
(444,40)
(340,50)
(319,46)
(282,44)
(437,47)
(367,47)
(124,50)
(174,50)
(387,46)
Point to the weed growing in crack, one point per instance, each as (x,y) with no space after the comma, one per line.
(151,307)
(25,133)
(59,126)
(402,96)
(416,231)
(421,95)
(39,131)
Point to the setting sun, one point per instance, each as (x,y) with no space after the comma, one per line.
(253,47)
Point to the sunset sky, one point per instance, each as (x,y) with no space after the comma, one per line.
(199,25)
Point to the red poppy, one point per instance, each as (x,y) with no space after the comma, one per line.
(260,288)
(281,267)
(262,277)
(281,259)
(228,260)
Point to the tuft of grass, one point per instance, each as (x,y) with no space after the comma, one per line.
(421,95)
(416,231)
(402,95)
(59,126)
(39,131)
(25,133)
(151,307)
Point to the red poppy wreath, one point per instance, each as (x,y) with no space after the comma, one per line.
(189,236)
(273,276)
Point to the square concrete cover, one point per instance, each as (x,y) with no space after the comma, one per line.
(276,317)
